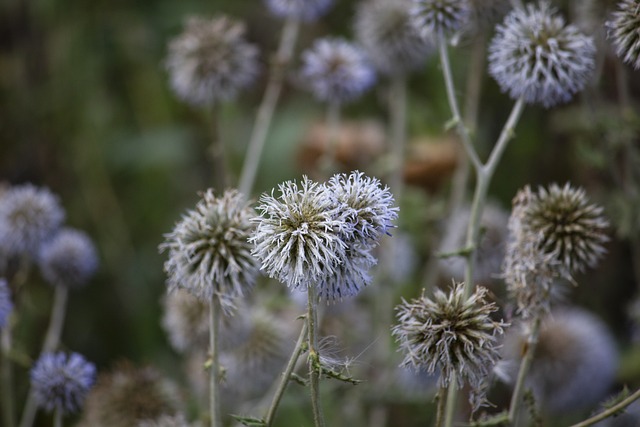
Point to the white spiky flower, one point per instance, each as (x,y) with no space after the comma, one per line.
(624,31)
(440,17)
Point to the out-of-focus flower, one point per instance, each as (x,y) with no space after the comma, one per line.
(305,10)
(186,321)
(436,17)
(209,254)
(336,71)
(624,31)
(535,55)
(6,306)
(28,216)
(61,382)
(211,60)
(68,258)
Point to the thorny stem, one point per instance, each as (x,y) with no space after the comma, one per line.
(268,105)
(214,373)
(217,152)
(610,411)
(525,364)
(6,376)
(286,375)
(328,159)
(314,374)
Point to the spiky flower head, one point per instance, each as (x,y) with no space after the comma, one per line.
(6,306)
(304,10)
(336,70)
(574,362)
(211,60)
(439,17)
(624,31)
(535,55)
(450,334)
(28,216)
(385,29)
(68,258)
(61,382)
(208,249)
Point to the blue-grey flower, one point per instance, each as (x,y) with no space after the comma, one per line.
(211,60)
(68,259)
(305,10)
(336,70)
(350,275)
(28,216)
(385,29)
(624,31)
(61,382)
(535,55)
(6,306)
(208,249)
(440,17)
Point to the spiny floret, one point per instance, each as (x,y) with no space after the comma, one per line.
(624,31)
(536,56)
(450,334)
(208,249)
(440,17)
(68,258)
(305,10)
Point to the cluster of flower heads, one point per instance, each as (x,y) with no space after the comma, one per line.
(323,234)
(211,60)
(61,382)
(536,56)
(304,10)
(452,335)
(208,249)
(336,70)
(554,233)
(440,17)
(623,30)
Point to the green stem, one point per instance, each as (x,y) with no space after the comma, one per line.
(286,375)
(6,376)
(525,364)
(217,152)
(268,105)
(610,411)
(452,400)
(214,373)
(57,418)
(442,400)
(314,373)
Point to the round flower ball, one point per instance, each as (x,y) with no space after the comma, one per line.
(68,258)
(624,31)
(435,18)
(304,10)
(536,56)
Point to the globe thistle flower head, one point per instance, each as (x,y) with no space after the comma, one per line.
(440,17)
(61,382)
(534,55)
(68,258)
(211,60)
(304,10)
(208,249)
(349,276)
(336,70)
(6,306)
(451,334)
(385,29)
(623,30)
(28,216)
(298,238)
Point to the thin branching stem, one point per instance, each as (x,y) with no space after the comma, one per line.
(217,152)
(610,411)
(525,364)
(314,373)
(268,105)
(214,373)
(328,159)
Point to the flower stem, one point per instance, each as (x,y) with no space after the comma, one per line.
(214,373)
(525,364)
(328,159)
(284,381)
(217,152)
(452,400)
(6,377)
(610,411)
(314,357)
(57,418)
(442,400)
(268,105)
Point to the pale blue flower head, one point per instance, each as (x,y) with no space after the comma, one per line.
(304,10)
(61,382)
(6,306)
(535,55)
(68,259)
(350,276)
(28,216)
(336,70)
(440,17)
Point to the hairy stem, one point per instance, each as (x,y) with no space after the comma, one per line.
(610,411)
(286,375)
(314,357)
(525,364)
(214,373)
(268,105)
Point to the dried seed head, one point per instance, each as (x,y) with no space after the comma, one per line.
(435,17)
(305,10)
(68,258)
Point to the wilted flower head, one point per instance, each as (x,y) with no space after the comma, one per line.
(439,17)
(305,10)
(211,60)
(62,382)
(386,31)
(336,70)
(624,31)
(68,258)
(28,216)
(6,306)
(451,335)
(536,56)
(574,363)
(208,249)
